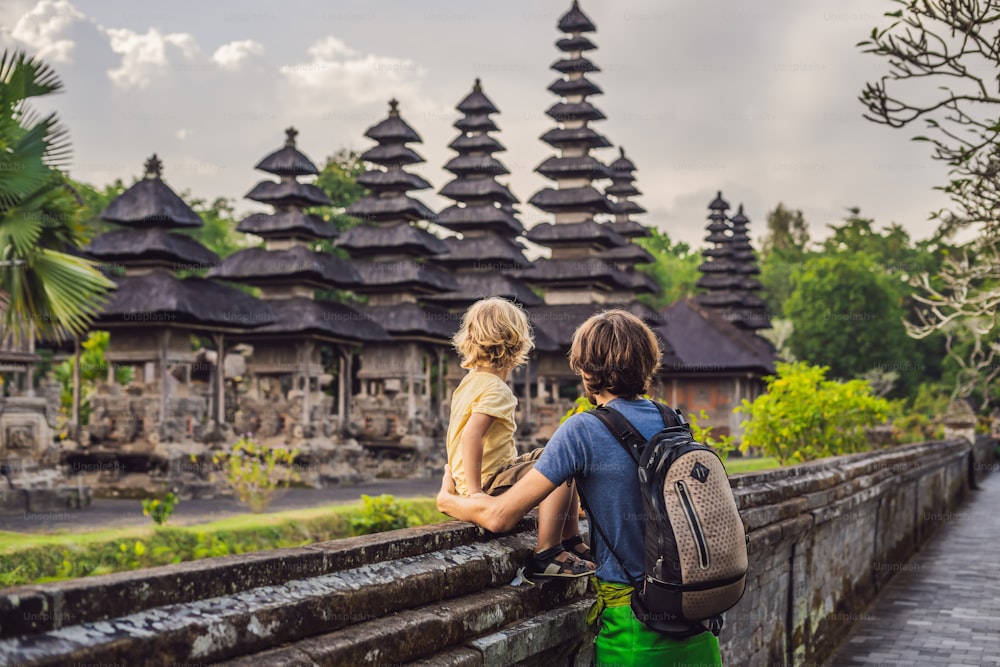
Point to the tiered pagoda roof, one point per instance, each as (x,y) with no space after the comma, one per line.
(576,240)
(728,268)
(622,189)
(483,214)
(288,269)
(149,295)
(753,314)
(392,255)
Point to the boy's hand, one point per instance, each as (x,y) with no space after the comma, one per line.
(447,492)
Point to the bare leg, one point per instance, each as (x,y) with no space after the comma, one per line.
(552,517)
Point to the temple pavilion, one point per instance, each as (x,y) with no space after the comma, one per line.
(288,271)
(393,256)
(153,313)
(721,360)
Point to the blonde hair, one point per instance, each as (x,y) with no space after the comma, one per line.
(617,352)
(494,333)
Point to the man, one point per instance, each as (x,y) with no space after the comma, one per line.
(616,355)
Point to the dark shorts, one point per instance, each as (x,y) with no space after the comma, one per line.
(508,476)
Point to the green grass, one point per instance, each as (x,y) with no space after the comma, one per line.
(735,466)
(35,558)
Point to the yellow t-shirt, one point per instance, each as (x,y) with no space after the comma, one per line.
(486,394)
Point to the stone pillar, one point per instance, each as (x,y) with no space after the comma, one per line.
(960,421)
(341,389)
(76,382)
(220,377)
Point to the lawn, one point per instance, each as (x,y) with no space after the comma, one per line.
(735,466)
(32,558)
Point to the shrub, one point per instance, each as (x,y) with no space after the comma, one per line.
(159,510)
(379,514)
(722,445)
(251,471)
(803,416)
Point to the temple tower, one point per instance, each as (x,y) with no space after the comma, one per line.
(288,270)
(393,256)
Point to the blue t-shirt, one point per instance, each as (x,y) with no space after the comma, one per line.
(584,448)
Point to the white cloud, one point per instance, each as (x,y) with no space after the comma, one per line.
(234,54)
(41,30)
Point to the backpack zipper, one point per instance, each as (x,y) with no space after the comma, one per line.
(694,523)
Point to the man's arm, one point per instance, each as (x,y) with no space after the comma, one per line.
(471,444)
(496,514)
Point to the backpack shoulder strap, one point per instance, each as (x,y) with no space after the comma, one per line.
(627,435)
(670,416)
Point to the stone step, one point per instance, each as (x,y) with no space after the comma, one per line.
(217,628)
(46,607)
(481,621)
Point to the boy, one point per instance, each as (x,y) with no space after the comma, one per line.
(616,355)
(493,340)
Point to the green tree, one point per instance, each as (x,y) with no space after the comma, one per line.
(783,251)
(675,268)
(803,416)
(41,284)
(338,179)
(93,369)
(219,231)
(847,315)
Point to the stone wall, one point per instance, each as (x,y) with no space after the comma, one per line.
(824,538)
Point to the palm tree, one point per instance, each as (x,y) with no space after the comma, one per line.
(44,290)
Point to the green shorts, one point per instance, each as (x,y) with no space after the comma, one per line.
(623,641)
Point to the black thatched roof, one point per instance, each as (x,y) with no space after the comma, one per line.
(484,216)
(158,299)
(325,320)
(579,86)
(288,193)
(587,199)
(476,102)
(476,123)
(719,204)
(465,189)
(151,203)
(149,246)
(627,207)
(467,165)
(288,160)
(567,65)
(487,253)
(391,155)
(622,189)
(468,143)
(290,223)
(707,343)
(564,111)
(583,166)
(408,320)
(384,209)
(583,272)
(629,229)
(643,284)
(629,253)
(475,286)
(372,240)
(403,276)
(581,43)
(576,136)
(392,130)
(576,21)
(391,180)
(291,266)
(576,233)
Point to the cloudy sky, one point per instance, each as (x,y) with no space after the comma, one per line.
(756,99)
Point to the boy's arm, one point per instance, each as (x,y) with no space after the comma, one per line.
(494,513)
(471,444)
